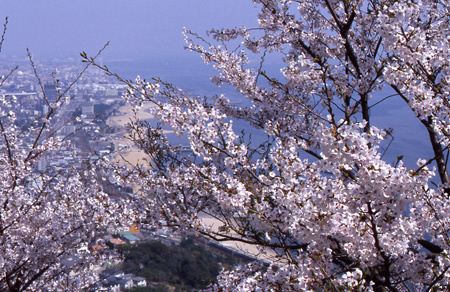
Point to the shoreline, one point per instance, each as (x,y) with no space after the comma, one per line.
(126,153)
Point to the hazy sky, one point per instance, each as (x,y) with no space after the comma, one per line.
(135,28)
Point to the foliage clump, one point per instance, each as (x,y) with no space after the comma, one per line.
(186,266)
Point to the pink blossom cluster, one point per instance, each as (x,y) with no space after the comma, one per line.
(318,196)
(48,219)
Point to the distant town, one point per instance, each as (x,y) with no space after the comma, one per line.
(82,123)
(93,98)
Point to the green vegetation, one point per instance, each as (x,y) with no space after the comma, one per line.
(186,266)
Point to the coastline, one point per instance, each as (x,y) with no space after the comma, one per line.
(126,153)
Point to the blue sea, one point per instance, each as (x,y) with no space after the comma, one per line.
(192,75)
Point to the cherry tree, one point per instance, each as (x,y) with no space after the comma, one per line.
(317,194)
(47,219)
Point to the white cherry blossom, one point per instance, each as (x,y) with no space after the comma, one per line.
(318,194)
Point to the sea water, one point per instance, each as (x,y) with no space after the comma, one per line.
(410,137)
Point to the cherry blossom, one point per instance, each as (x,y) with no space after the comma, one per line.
(318,197)
(48,219)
